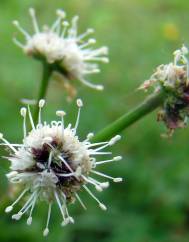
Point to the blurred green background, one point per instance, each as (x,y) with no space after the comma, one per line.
(152,204)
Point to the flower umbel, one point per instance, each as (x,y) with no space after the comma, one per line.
(61,46)
(173,79)
(53,165)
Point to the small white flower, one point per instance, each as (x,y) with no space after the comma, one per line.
(61,46)
(53,165)
(172,75)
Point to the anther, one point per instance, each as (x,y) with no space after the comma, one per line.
(90,136)
(91,41)
(8,209)
(90,31)
(41,103)
(65,23)
(32,11)
(45,232)
(98,188)
(117,158)
(23,112)
(102,206)
(15,23)
(79,103)
(105,184)
(60,113)
(118,179)
(29,221)
(105,60)
(71,220)
(114,140)
(99,87)
(61,13)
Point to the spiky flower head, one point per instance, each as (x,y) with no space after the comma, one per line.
(173,80)
(53,165)
(63,48)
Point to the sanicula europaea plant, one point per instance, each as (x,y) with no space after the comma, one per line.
(52,164)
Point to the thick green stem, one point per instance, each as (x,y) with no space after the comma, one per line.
(47,71)
(125,121)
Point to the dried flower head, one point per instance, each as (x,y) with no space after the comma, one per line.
(61,46)
(173,79)
(53,165)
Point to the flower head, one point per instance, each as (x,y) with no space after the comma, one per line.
(173,79)
(53,165)
(61,46)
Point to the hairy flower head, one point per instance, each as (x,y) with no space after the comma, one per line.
(62,47)
(53,165)
(173,80)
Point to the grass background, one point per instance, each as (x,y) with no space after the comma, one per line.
(152,204)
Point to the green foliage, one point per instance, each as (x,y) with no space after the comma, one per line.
(151,205)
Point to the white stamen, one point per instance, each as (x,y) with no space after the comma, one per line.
(23,112)
(105,184)
(17,216)
(101,205)
(7,143)
(93,182)
(34,20)
(16,24)
(41,105)
(29,221)
(50,159)
(117,179)
(89,31)
(114,140)
(117,158)
(98,87)
(79,104)
(184,50)
(46,231)
(57,24)
(71,220)
(30,117)
(61,13)
(65,222)
(65,26)
(18,43)
(59,205)
(80,201)
(61,114)
(90,136)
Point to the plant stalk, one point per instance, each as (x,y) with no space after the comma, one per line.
(148,105)
(47,71)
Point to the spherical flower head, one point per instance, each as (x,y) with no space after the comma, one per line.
(63,48)
(173,80)
(53,165)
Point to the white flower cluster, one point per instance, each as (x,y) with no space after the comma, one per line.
(173,81)
(172,75)
(60,44)
(53,165)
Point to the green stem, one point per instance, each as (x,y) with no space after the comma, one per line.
(47,71)
(125,121)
